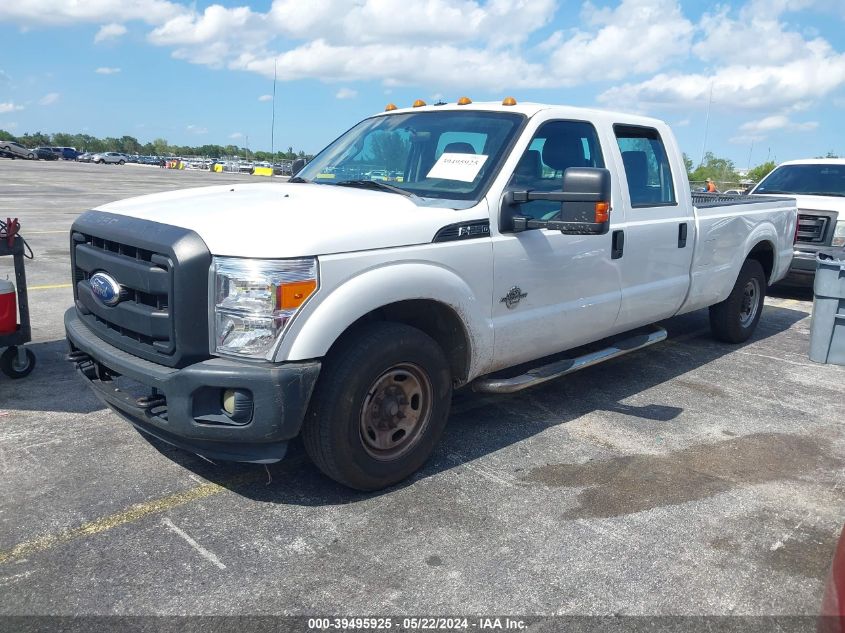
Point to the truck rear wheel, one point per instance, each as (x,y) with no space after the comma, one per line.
(380,406)
(734,319)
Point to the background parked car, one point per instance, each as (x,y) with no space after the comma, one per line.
(110,158)
(66,153)
(16,150)
(46,153)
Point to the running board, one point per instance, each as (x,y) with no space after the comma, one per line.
(559,368)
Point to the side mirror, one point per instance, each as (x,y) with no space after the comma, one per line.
(585,204)
(297,166)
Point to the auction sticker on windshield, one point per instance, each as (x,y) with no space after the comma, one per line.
(463,167)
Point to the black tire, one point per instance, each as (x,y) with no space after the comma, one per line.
(31,156)
(9,363)
(735,319)
(121,162)
(363,378)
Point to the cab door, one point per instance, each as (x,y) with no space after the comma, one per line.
(552,291)
(659,232)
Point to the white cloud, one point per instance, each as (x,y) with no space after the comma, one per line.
(49,99)
(760,63)
(109,32)
(9,107)
(777,122)
(346,93)
(59,12)
(196,129)
(265,98)
(106,70)
(236,135)
(462,42)
(762,87)
(646,34)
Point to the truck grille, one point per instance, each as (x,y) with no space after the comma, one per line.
(162,271)
(811,228)
(142,316)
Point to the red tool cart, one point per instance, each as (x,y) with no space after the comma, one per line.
(16,361)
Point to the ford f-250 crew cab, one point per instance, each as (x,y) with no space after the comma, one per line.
(818,186)
(227,320)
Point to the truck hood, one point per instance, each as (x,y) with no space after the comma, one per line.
(292,220)
(813,203)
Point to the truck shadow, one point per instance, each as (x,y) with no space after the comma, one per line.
(52,386)
(482,424)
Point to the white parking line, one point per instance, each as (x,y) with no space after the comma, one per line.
(209,556)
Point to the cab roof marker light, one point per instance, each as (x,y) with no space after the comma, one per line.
(390,107)
(464,101)
(418,103)
(508,101)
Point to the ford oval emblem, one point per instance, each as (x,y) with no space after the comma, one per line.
(105,288)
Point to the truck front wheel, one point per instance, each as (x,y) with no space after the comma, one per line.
(734,319)
(380,406)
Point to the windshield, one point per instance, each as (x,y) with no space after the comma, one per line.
(819,180)
(447,154)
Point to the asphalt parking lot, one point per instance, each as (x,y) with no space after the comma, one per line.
(688,478)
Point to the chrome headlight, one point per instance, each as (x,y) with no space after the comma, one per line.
(255,299)
(839,234)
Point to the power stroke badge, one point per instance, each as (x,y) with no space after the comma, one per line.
(514,296)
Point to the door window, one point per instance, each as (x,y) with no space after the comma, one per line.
(556,146)
(646,166)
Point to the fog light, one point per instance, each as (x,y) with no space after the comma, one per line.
(237,403)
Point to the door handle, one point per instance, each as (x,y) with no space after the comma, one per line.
(682,235)
(618,245)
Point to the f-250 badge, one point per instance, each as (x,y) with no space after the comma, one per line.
(514,296)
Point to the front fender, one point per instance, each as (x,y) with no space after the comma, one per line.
(314,331)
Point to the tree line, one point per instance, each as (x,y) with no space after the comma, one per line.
(131,145)
(724,170)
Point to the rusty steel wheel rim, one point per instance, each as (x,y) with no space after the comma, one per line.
(396,411)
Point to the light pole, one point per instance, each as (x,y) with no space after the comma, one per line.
(273,119)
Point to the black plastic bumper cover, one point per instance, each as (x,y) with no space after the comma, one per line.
(281,393)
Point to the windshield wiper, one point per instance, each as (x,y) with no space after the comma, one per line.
(823,193)
(297,179)
(376,184)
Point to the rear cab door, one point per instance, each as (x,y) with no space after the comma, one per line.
(658,233)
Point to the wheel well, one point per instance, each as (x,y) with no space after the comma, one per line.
(764,253)
(437,320)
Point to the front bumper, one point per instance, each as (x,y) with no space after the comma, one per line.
(802,271)
(191,416)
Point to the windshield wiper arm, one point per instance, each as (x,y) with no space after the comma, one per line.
(832,194)
(376,184)
(297,179)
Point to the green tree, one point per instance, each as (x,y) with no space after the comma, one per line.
(688,163)
(36,139)
(160,146)
(129,144)
(760,171)
(719,169)
(390,149)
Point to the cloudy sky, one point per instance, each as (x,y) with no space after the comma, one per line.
(201,72)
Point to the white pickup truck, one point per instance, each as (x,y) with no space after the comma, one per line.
(818,186)
(228,320)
